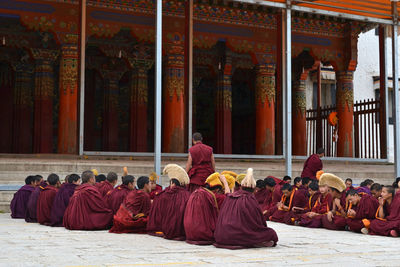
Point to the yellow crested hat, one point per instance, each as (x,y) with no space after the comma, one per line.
(233,174)
(248,180)
(240,177)
(175,171)
(153,177)
(213,180)
(230,180)
(332,180)
(95,172)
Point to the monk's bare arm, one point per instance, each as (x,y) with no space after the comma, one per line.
(189,163)
(381,212)
(213,162)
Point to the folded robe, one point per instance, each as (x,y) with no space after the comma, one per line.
(366,209)
(45,204)
(132,216)
(19,203)
(166,214)
(296,199)
(201,217)
(60,204)
(321,206)
(87,210)
(104,187)
(116,196)
(31,209)
(338,222)
(391,221)
(241,224)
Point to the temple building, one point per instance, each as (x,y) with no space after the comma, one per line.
(237,101)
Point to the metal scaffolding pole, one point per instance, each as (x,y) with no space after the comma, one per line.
(189,69)
(82,74)
(288,90)
(158,93)
(396,109)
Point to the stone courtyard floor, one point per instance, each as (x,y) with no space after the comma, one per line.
(23,244)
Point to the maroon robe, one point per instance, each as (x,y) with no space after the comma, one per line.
(115,197)
(19,203)
(61,202)
(154,221)
(30,214)
(391,221)
(338,222)
(241,224)
(321,206)
(132,215)
(261,195)
(270,202)
(104,187)
(169,212)
(312,165)
(156,191)
(366,209)
(201,165)
(285,216)
(201,217)
(87,210)
(220,199)
(45,204)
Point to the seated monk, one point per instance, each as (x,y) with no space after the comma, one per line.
(167,211)
(349,184)
(86,209)
(287,179)
(62,197)
(363,210)
(261,192)
(269,205)
(202,211)
(365,186)
(115,197)
(31,209)
(200,163)
(20,200)
(376,190)
(155,188)
(132,215)
(303,188)
(292,202)
(312,219)
(240,222)
(335,219)
(46,199)
(297,182)
(107,185)
(387,220)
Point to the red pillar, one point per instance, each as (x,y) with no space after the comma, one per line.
(22,128)
(174,101)
(138,109)
(67,120)
(224,111)
(43,100)
(344,107)
(265,109)
(299,133)
(6,108)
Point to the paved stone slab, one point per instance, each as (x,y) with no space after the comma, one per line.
(24,244)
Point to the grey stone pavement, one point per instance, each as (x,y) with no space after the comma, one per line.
(23,244)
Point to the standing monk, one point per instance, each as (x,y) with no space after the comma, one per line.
(62,199)
(132,215)
(313,164)
(86,209)
(107,185)
(240,222)
(200,164)
(115,197)
(20,200)
(46,199)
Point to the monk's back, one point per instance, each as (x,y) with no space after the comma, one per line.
(201,154)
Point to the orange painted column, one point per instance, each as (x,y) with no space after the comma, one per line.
(344,108)
(299,133)
(174,101)
(43,100)
(68,120)
(139,100)
(265,109)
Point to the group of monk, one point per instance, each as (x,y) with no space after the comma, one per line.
(204,207)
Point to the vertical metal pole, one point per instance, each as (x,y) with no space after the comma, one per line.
(386,94)
(288,99)
(82,75)
(283,79)
(158,93)
(189,36)
(396,110)
(383,89)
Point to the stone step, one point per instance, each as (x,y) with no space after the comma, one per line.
(4,207)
